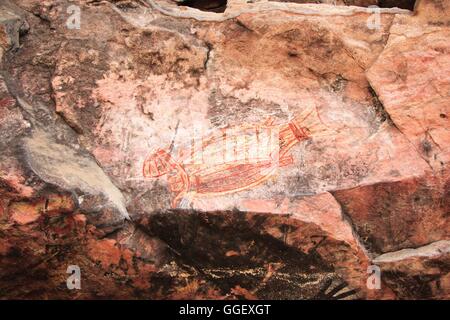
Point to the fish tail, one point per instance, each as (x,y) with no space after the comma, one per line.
(310,121)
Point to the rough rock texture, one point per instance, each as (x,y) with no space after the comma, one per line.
(269,150)
(422,273)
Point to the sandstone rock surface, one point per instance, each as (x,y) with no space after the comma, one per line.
(269,150)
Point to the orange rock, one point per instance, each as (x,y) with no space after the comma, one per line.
(144,272)
(25,213)
(394,215)
(56,204)
(80,219)
(412,79)
(232,253)
(2,209)
(104,251)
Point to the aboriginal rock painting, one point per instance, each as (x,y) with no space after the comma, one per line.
(228,161)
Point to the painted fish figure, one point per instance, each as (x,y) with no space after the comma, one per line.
(233,160)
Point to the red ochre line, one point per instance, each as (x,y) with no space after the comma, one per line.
(235,176)
(234,185)
(230,165)
(298,133)
(234,179)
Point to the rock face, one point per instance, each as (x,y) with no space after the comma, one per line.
(269,150)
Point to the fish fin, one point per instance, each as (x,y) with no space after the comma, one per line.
(158,164)
(286,160)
